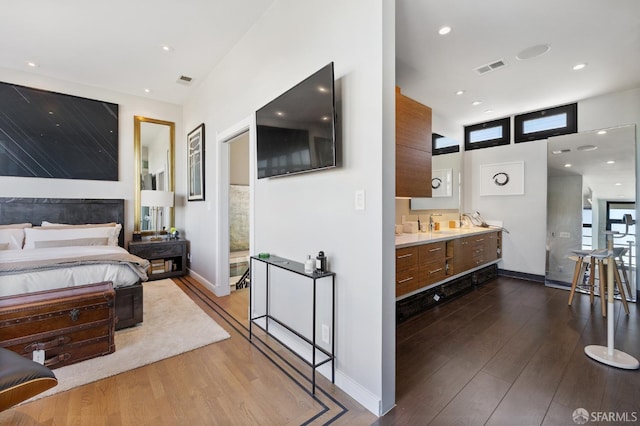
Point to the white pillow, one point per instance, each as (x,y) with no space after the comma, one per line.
(59,233)
(13,236)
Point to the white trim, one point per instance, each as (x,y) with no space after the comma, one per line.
(222,147)
(358,392)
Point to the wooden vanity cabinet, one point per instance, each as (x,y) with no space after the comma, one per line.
(474,250)
(413,147)
(419,266)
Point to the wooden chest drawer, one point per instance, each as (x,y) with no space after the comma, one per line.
(69,325)
(406,258)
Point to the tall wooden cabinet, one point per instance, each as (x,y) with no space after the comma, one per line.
(413,147)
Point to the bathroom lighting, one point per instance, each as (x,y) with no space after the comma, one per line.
(611,162)
(602,132)
(476,103)
(444,30)
(166,48)
(460,92)
(32,64)
(578,67)
(488,111)
(567,165)
(147,90)
(618,184)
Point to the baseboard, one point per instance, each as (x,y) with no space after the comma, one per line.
(521,275)
(209,285)
(356,391)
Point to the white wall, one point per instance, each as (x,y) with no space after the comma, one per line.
(302,214)
(525,216)
(128,106)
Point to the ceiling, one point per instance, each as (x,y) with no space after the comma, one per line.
(431,67)
(117,44)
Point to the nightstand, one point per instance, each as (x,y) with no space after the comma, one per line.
(168,257)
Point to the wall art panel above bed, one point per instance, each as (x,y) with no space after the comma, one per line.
(53,135)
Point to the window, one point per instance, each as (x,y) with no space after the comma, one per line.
(443,145)
(545,123)
(490,133)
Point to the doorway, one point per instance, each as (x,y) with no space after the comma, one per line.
(239,211)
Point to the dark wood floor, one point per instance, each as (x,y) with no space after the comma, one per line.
(512,353)
(509,353)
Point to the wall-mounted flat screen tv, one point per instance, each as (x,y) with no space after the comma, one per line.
(296,131)
(53,135)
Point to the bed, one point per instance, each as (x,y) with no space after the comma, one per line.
(49,261)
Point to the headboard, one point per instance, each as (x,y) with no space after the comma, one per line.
(62,210)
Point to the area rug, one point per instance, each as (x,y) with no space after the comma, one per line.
(169,316)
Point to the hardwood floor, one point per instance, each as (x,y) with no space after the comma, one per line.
(509,353)
(232,382)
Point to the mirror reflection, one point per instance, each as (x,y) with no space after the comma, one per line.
(591,186)
(446,177)
(154,162)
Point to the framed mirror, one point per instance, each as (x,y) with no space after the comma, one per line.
(591,185)
(154,150)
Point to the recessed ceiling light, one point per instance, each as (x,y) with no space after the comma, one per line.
(476,103)
(460,92)
(279,113)
(580,66)
(488,111)
(602,132)
(618,184)
(444,30)
(166,48)
(32,64)
(587,148)
(147,90)
(533,52)
(568,165)
(611,162)
(325,118)
(322,89)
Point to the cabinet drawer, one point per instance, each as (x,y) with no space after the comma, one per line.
(432,252)
(155,251)
(433,272)
(407,281)
(406,258)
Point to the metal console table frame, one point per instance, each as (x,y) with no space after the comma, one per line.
(296,268)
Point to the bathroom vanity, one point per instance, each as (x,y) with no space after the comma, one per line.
(433,266)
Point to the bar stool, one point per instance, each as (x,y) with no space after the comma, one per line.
(601,261)
(583,262)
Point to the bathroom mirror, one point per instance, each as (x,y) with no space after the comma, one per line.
(154,144)
(591,185)
(446,175)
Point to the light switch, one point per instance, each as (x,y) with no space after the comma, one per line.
(360,199)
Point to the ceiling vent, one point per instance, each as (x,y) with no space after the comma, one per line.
(490,67)
(183,79)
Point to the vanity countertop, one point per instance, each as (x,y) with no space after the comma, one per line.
(408,240)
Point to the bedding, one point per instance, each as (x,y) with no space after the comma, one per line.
(25,271)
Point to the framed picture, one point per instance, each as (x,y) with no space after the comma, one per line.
(195,157)
(441,184)
(502,179)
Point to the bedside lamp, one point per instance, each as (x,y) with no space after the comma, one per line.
(156,200)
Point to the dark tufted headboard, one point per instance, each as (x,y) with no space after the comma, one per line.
(62,210)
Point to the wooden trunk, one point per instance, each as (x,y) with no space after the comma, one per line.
(70,324)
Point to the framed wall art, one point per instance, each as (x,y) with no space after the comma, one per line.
(502,179)
(195,157)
